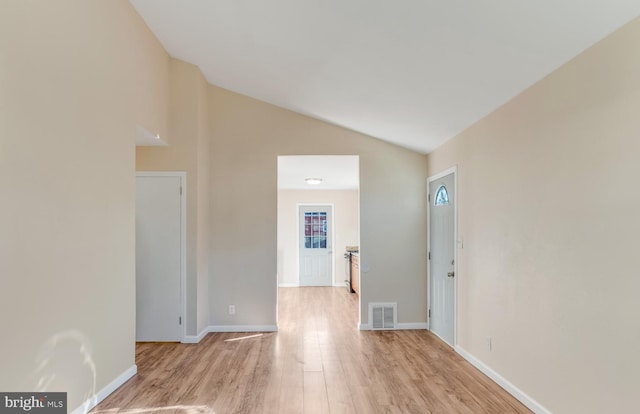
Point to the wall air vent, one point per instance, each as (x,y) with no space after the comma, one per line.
(383,316)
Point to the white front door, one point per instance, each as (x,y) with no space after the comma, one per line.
(315,249)
(442,257)
(158,258)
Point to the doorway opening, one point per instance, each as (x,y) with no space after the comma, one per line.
(318,221)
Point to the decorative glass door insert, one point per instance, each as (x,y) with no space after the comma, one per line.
(315,230)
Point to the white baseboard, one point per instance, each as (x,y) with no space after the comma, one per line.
(229,328)
(411,326)
(529,402)
(290,285)
(399,326)
(104,393)
(243,328)
(196,339)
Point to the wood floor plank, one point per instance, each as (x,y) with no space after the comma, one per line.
(316,400)
(318,362)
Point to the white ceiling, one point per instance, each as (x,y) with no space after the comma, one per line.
(338,172)
(412,72)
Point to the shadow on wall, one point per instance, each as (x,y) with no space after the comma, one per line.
(66,358)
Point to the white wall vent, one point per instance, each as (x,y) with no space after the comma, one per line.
(383,316)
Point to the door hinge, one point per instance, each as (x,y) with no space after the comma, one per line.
(179,320)
(429,255)
(180,190)
(429,315)
(429,197)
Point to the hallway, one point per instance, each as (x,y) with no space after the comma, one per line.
(318,362)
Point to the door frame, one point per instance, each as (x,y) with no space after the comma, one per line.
(333,248)
(183,240)
(453,170)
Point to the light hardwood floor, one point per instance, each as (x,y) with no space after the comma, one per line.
(318,362)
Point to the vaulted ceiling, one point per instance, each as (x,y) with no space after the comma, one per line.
(412,72)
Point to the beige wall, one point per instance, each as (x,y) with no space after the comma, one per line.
(203,224)
(188,151)
(76,77)
(548,213)
(345,223)
(247,137)
(548,208)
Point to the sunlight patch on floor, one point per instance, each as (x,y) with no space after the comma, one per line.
(243,337)
(184,409)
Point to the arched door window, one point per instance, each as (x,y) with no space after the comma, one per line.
(442,196)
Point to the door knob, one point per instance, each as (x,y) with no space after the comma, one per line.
(451,274)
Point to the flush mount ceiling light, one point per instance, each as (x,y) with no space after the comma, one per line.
(313,181)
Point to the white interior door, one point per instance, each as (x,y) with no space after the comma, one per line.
(158,258)
(315,249)
(442,257)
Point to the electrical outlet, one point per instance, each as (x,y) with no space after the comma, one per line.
(232,309)
(489,344)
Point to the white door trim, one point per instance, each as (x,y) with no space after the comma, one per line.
(453,170)
(333,249)
(183,240)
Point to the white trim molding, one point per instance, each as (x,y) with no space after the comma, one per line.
(520,395)
(412,326)
(196,339)
(229,328)
(97,398)
(399,326)
(292,285)
(243,328)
